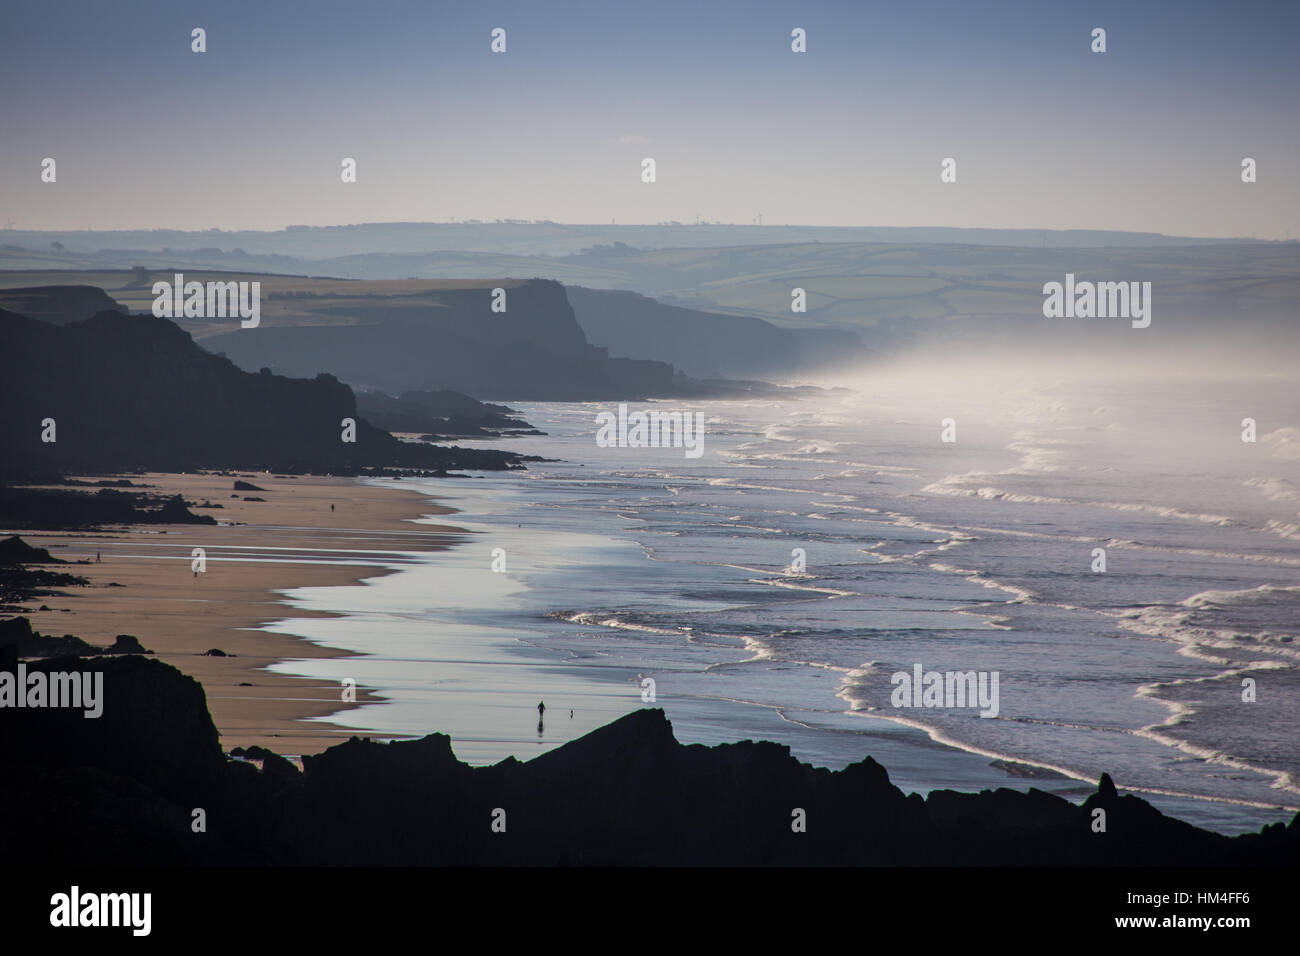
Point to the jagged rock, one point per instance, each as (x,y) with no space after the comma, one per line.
(14,550)
(128,644)
(1106,788)
(272,763)
(175,511)
(58,508)
(627,793)
(18,637)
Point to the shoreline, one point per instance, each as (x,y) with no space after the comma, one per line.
(258,551)
(252,705)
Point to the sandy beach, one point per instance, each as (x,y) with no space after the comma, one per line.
(290,539)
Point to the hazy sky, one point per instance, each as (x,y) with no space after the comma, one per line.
(1148,136)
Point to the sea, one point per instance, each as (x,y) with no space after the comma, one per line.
(1119,550)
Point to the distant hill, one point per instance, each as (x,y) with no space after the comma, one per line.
(134,392)
(893,294)
(552,238)
(59,304)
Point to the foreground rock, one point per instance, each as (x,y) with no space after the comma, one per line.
(18,639)
(123,789)
(18,582)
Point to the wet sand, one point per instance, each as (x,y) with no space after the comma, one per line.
(291,539)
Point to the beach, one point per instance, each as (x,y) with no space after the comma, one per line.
(626,564)
(583,576)
(290,539)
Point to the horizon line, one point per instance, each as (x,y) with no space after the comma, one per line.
(9,229)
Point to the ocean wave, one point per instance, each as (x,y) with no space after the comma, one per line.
(1203,623)
(1285,443)
(953,487)
(1278,489)
(785,583)
(1179,712)
(612,620)
(861,706)
(1022,595)
(1285,529)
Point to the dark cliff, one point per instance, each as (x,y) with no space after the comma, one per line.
(130,392)
(710,344)
(122,788)
(451,339)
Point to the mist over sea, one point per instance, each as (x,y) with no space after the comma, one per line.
(977,554)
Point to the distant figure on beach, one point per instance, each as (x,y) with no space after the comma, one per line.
(570,715)
(97,557)
(541,709)
(331,507)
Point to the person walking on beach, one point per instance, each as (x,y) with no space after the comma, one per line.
(541,709)
(97,557)
(331,508)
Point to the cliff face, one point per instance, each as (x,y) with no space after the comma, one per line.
(134,392)
(710,344)
(451,339)
(121,788)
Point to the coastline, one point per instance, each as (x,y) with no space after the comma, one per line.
(258,550)
(370,536)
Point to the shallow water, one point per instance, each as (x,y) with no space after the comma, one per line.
(977,555)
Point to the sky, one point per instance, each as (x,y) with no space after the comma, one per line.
(1148,136)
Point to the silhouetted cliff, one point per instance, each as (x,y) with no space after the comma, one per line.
(122,788)
(124,392)
(710,344)
(452,339)
(440,414)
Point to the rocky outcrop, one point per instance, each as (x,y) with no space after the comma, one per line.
(48,508)
(440,414)
(18,582)
(125,787)
(19,639)
(14,550)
